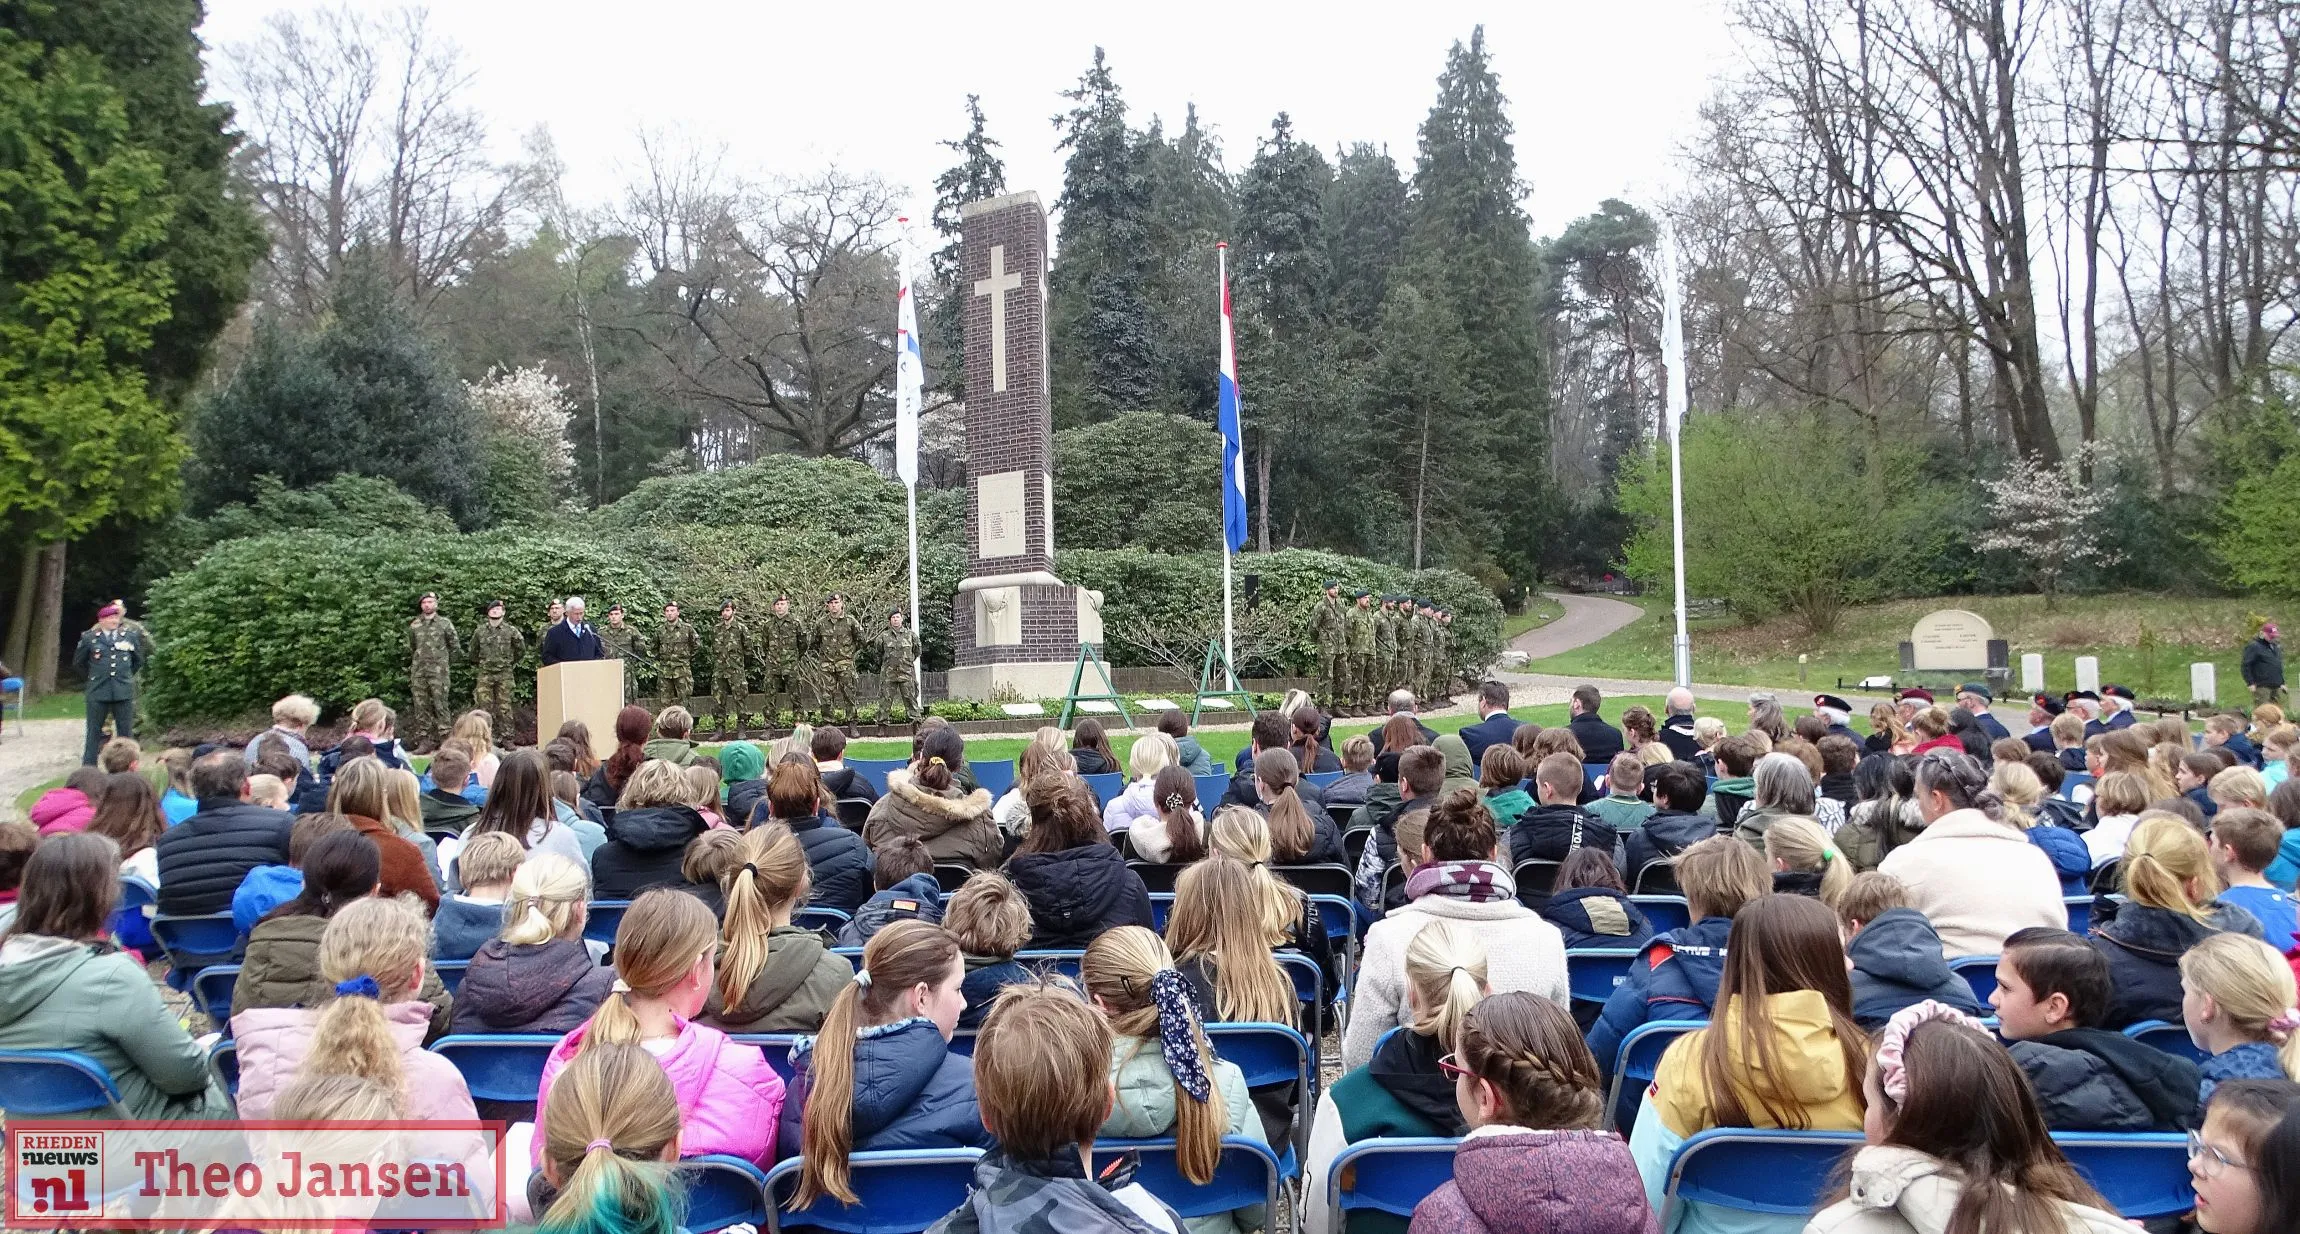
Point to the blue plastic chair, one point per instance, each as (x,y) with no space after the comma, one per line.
(723,1191)
(874,770)
(1161,907)
(1320,779)
(1665,912)
(1211,790)
(498,1066)
(1781,1172)
(129,925)
(450,973)
(1309,987)
(852,955)
(1063,962)
(212,992)
(1979,972)
(12,695)
(777,1048)
(602,918)
(1595,773)
(2168,1037)
(46,1083)
(996,777)
(1592,972)
(2079,914)
(224,1065)
(1248,1173)
(2072,782)
(2142,1175)
(193,943)
(1635,1064)
(1106,786)
(820,917)
(1388,1176)
(1271,1054)
(900,1192)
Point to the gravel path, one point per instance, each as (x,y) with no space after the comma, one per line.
(41,751)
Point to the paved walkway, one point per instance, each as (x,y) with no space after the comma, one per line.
(1586,619)
(44,750)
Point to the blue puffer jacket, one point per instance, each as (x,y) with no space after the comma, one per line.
(2070,859)
(1597,917)
(839,862)
(1897,963)
(1676,979)
(910,1091)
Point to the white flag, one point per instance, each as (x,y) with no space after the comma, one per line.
(909,373)
(1672,327)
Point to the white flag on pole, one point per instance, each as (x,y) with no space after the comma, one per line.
(1672,327)
(909,370)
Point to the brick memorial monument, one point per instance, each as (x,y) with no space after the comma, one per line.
(1017,627)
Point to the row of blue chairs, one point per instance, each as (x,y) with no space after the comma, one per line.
(998,777)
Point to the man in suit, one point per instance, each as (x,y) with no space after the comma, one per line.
(1677,728)
(572,639)
(1401,703)
(1599,741)
(2041,711)
(1837,713)
(2118,700)
(1494,725)
(1976,699)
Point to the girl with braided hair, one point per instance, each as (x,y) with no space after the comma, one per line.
(1534,1159)
(1167,1080)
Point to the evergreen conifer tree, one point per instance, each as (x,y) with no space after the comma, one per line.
(1104,341)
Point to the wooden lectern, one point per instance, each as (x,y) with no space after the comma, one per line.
(586,690)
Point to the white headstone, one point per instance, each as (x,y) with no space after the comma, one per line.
(2203,682)
(2032,672)
(1950,640)
(2088,673)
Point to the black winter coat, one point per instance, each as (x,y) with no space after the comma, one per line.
(847,784)
(548,987)
(1597,917)
(1077,893)
(1599,741)
(1551,833)
(2263,663)
(2093,1079)
(2144,946)
(204,858)
(837,860)
(643,849)
(1663,834)
(1091,762)
(1897,962)
(1245,791)
(743,799)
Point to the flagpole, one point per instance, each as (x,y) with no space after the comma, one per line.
(1229,653)
(906,404)
(1673,355)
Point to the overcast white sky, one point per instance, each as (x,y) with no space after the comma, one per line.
(1602,91)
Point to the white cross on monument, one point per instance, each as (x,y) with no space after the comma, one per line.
(1000,282)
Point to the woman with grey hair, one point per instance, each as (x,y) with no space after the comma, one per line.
(1780,787)
(1765,716)
(1974,874)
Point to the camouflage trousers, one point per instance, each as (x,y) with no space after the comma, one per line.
(428,715)
(676,689)
(1329,677)
(493,696)
(895,690)
(1363,686)
(727,693)
(785,678)
(836,679)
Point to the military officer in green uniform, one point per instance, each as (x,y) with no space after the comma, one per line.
(1329,633)
(497,647)
(1388,654)
(1360,643)
(779,646)
(675,658)
(144,644)
(624,642)
(108,658)
(730,669)
(432,646)
(836,640)
(897,666)
(552,616)
(1442,657)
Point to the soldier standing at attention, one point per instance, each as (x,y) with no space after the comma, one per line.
(897,666)
(145,646)
(552,616)
(779,646)
(1422,638)
(1361,648)
(497,647)
(1329,632)
(1389,658)
(627,644)
(431,646)
(676,647)
(730,669)
(837,639)
(1447,666)
(108,658)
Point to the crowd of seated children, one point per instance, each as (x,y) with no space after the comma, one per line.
(990,922)
(709,860)
(925,802)
(838,862)
(2051,1001)
(1805,860)
(361,793)
(1174,831)
(1302,830)
(285,965)
(1076,882)
(655,817)
(1590,905)
(773,976)
(1153,752)
(537,975)
(2024,794)
(904,889)
(128,814)
(2244,843)
(520,805)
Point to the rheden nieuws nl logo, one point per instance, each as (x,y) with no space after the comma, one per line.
(55,1174)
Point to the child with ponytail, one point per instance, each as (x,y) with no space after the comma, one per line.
(607,1144)
(538,974)
(774,977)
(1534,1159)
(1806,862)
(2173,904)
(1298,834)
(1289,916)
(665,958)
(881,1074)
(1164,1071)
(372,1025)
(2239,1004)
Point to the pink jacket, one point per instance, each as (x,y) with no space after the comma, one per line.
(273,1041)
(729,1099)
(62,809)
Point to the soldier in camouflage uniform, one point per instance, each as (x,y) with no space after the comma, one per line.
(1359,628)
(897,667)
(730,670)
(1448,655)
(1389,655)
(675,651)
(1329,632)
(837,638)
(779,646)
(553,615)
(1413,645)
(432,646)
(625,643)
(497,647)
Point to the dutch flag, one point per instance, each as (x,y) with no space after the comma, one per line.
(1233,439)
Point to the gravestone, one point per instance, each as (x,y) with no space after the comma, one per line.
(1017,627)
(2032,673)
(1950,640)
(2088,673)
(2203,682)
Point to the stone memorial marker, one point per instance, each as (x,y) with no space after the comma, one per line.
(2203,682)
(2032,673)
(1017,627)
(2088,673)
(1950,640)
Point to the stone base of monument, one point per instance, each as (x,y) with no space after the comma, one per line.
(1018,635)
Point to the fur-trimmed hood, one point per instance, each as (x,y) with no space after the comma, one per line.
(954,825)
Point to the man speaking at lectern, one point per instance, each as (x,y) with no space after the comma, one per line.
(571,639)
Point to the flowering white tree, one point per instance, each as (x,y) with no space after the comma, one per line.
(530,461)
(2048,518)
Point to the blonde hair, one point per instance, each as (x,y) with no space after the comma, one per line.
(267,790)
(703,786)
(477,729)
(2238,786)
(488,858)
(2120,792)
(329,1097)
(370,715)
(675,722)
(2018,784)
(611,1120)
(1446,970)
(1215,919)
(661,936)
(1049,750)
(384,941)
(1802,845)
(1041,1069)
(548,895)
(360,787)
(657,782)
(1245,835)
(2251,985)
(403,798)
(1291,830)
(296,709)
(1119,970)
(904,955)
(988,916)
(2162,859)
(770,880)
(1151,753)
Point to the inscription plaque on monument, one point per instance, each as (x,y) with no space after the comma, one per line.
(1950,640)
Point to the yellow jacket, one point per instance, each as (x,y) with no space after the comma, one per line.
(1805,1043)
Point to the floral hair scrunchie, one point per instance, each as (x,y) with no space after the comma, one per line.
(1892,1072)
(1177,1034)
